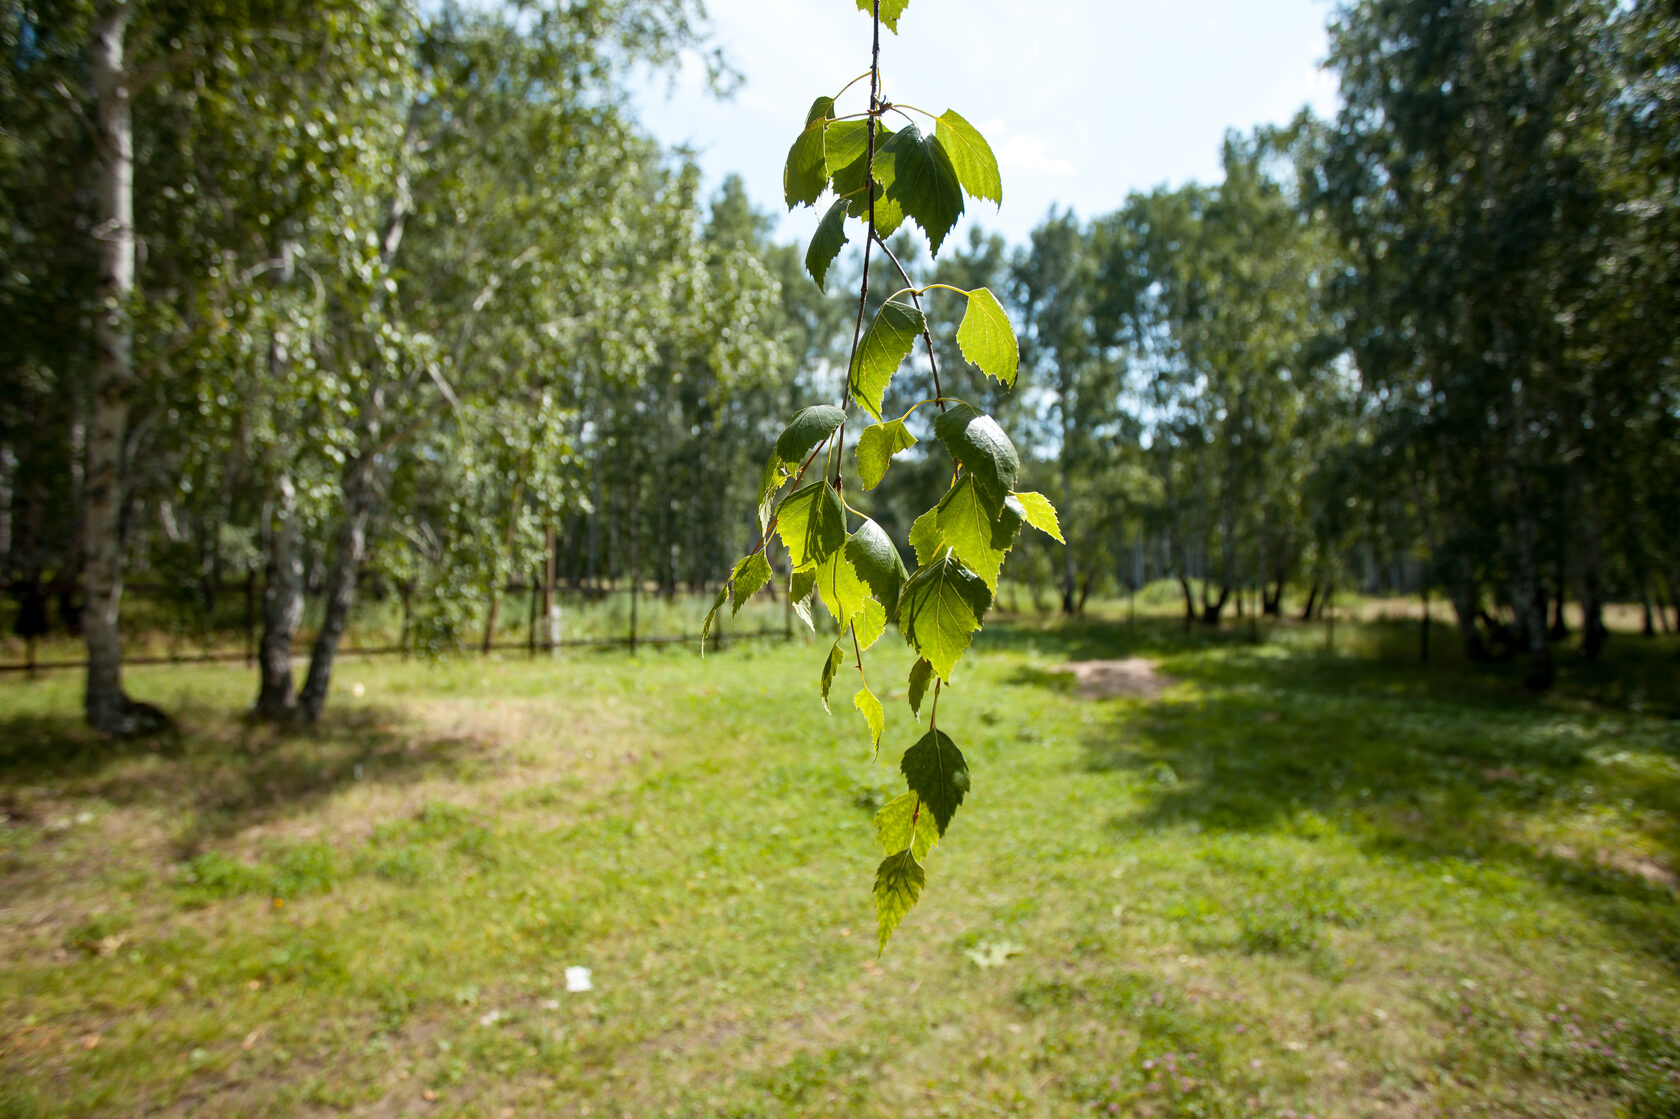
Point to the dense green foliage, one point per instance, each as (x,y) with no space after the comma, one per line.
(1424,346)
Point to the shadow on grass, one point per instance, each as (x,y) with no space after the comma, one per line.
(219,777)
(1079,639)
(1445,762)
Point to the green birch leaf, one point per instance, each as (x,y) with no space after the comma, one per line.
(888,341)
(848,180)
(877,562)
(976,441)
(846,149)
(801,585)
(876,447)
(848,160)
(870,624)
(806,172)
(986,338)
(831,666)
(977,167)
(939,610)
(775,473)
(926,537)
(899,824)
(826,243)
(807,428)
(936,772)
(749,575)
(1039,513)
(840,588)
(822,109)
(890,11)
(889,215)
(921,675)
(971,529)
(711,616)
(873,714)
(1007,528)
(812,524)
(919,177)
(898,884)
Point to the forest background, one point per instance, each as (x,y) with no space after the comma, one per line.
(369,300)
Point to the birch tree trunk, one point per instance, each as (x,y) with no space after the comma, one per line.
(106,706)
(282,606)
(1070,573)
(349,551)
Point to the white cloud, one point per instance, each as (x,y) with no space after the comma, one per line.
(1023,152)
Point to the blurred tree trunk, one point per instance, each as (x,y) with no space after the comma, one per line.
(108,709)
(1312,603)
(1593,632)
(1466,608)
(1528,601)
(349,550)
(1070,575)
(282,605)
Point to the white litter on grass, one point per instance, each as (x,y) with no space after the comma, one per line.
(491,1018)
(989,955)
(357,690)
(577,979)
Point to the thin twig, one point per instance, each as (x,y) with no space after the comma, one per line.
(869,240)
(915,297)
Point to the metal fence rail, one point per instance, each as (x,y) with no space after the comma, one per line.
(229,633)
(717,641)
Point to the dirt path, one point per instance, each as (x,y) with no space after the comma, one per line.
(1133,677)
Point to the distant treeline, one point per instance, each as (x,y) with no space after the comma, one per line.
(354,291)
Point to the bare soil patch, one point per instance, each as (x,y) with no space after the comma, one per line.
(1132,677)
(1624,862)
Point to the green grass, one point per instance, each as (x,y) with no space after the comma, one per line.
(1298,883)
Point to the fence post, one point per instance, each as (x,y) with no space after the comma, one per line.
(250,616)
(1330,618)
(531,615)
(1425,638)
(635,561)
(551,603)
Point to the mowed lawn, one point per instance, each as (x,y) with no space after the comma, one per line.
(1295,884)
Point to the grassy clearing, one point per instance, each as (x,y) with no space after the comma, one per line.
(1298,883)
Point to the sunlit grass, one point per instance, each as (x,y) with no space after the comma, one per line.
(1337,884)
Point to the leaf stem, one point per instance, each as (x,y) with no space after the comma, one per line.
(850,84)
(764,537)
(927,337)
(941,400)
(901,105)
(933,712)
(857,648)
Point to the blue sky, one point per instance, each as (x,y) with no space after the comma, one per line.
(1083,100)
